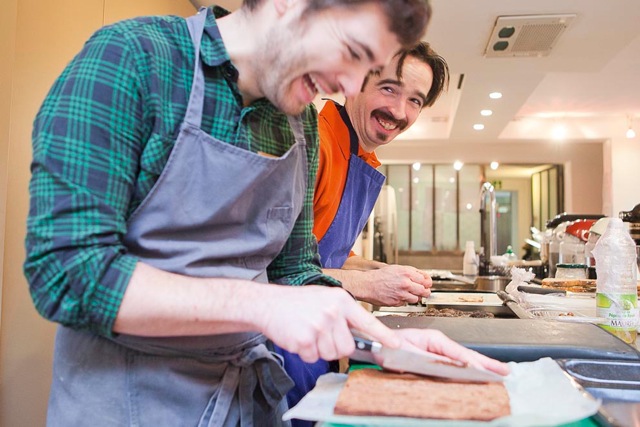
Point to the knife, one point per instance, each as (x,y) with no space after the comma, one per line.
(419,362)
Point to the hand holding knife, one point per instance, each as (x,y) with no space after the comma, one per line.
(418,361)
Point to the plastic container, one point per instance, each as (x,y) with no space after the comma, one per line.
(510,255)
(571,271)
(470,260)
(616,293)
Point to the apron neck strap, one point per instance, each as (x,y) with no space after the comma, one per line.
(353,136)
(196,97)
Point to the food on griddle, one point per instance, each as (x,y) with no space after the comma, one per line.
(452,312)
(471,299)
(571,285)
(373,392)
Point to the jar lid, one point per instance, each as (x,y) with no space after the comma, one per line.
(571,266)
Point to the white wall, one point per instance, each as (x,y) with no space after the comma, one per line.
(623,170)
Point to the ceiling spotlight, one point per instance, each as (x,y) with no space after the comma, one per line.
(486,113)
(494,165)
(478,126)
(495,95)
(559,133)
(457,165)
(469,206)
(416,180)
(506,32)
(416,166)
(631,133)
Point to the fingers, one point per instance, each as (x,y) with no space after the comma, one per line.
(437,342)
(365,322)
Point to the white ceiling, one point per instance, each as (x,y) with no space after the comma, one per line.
(589,83)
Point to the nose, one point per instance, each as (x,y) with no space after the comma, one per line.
(351,83)
(398,107)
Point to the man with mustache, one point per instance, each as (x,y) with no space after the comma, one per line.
(389,102)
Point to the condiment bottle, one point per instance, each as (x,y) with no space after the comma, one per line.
(470,260)
(616,293)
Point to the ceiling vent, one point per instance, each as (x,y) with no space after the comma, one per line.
(526,35)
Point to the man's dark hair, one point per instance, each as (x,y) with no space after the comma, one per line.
(426,54)
(439,67)
(407,19)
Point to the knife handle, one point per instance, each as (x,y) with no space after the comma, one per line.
(367,345)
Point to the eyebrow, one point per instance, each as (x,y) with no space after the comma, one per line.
(399,83)
(367,50)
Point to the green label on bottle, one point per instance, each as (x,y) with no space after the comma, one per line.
(620,309)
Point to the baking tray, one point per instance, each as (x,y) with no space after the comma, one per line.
(464,301)
(616,382)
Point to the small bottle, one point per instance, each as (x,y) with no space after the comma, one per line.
(510,255)
(470,260)
(616,293)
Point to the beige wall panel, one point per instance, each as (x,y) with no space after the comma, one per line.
(47,36)
(116,10)
(8,10)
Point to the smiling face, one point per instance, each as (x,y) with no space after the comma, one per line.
(328,51)
(388,105)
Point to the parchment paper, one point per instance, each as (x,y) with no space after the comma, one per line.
(541,394)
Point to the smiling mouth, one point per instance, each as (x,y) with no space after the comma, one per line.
(312,85)
(386,125)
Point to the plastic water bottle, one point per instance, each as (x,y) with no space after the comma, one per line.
(616,294)
(470,260)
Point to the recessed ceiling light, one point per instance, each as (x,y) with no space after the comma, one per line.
(494,165)
(457,165)
(495,95)
(486,112)
(559,132)
(478,126)
(416,166)
(631,133)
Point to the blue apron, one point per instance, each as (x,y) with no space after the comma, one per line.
(216,211)
(360,194)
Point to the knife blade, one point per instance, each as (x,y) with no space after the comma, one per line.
(419,362)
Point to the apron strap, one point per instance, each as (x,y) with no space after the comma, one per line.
(256,368)
(353,136)
(196,97)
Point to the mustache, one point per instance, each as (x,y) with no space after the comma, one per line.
(388,117)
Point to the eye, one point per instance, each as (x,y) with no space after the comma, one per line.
(354,55)
(388,89)
(417,102)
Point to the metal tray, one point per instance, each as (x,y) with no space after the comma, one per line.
(616,382)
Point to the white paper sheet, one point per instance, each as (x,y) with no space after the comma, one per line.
(541,394)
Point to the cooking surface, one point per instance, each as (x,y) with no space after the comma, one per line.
(524,339)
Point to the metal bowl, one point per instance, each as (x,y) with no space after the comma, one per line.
(491,283)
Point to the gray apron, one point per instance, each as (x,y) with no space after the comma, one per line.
(216,211)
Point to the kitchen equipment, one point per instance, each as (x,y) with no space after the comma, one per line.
(463,301)
(616,382)
(418,362)
(521,340)
(510,302)
(491,283)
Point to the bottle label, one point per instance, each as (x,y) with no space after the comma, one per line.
(620,309)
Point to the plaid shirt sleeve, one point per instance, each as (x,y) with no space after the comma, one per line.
(85,159)
(299,261)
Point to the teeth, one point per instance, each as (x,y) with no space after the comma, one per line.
(316,85)
(387,125)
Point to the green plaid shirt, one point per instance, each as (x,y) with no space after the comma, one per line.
(100,142)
